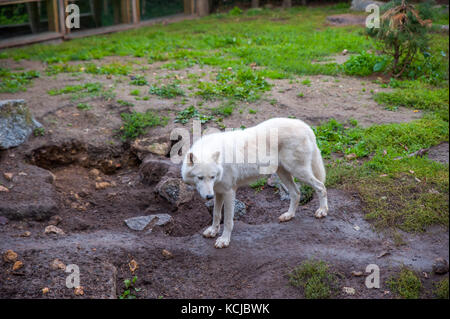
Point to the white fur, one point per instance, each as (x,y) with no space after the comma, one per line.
(298,156)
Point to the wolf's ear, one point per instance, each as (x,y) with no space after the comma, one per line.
(190,159)
(215,157)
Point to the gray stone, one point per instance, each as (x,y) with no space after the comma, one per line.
(175,191)
(360,5)
(240,208)
(139,223)
(16,123)
(440,266)
(153,170)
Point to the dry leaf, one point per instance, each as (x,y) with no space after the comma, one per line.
(133,265)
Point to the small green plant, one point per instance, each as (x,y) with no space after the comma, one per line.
(365,64)
(306,82)
(440,290)
(225,109)
(11,82)
(300,95)
(406,284)
(316,279)
(251,111)
(125,103)
(139,80)
(259,184)
(84,106)
(168,91)
(135,92)
(235,11)
(79,91)
(130,289)
(191,112)
(135,123)
(39,131)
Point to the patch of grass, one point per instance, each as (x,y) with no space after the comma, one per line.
(225,109)
(139,80)
(365,64)
(84,106)
(79,91)
(168,91)
(125,103)
(440,290)
(135,92)
(306,82)
(191,112)
(259,184)
(243,84)
(251,111)
(406,284)
(11,82)
(135,123)
(316,279)
(419,97)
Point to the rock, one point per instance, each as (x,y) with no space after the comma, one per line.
(3,189)
(306,192)
(360,5)
(3,220)
(141,222)
(79,291)
(133,265)
(344,52)
(155,145)
(350,156)
(240,209)
(440,266)
(16,123)
(53,230)
(17,265)
(10,256)
(26,234)
(102,185)
(349,290)
(94,173)
(152,170)
(55,220)
(45,290)
(357,273)
(167,253)
(32,197)
(175,191)
(8,176)
(444,28)
(57,264)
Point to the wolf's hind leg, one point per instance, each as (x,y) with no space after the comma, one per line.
(212,230)
(294,194)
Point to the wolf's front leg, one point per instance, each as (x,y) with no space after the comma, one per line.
(212,230)
(224,240)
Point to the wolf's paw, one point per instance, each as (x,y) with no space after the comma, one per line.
(222,242)
(211,232)
(286,217)
(321,212)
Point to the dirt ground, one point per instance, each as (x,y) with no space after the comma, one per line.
(52,175)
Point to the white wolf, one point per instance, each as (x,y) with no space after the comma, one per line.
(207,165)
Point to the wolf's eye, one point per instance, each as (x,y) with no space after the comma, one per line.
(212,177)
(200,177)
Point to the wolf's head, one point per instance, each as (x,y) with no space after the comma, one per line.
(202,174)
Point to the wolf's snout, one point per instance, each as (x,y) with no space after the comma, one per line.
(209,196)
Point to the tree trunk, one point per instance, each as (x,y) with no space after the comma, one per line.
(255,3)
(202,7)
(287,3)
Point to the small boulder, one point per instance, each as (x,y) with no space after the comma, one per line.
(53,230)
(440,266)
(16,123)
(155,145)
(153,169)
(240,209)
(141,222)
(175,191)
(360,5)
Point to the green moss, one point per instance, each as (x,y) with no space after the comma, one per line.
(316,279)
(406,284)
(440,290)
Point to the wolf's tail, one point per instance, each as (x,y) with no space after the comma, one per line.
(317,165)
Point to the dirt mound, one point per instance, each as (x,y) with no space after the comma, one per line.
(439,153)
